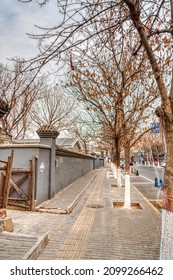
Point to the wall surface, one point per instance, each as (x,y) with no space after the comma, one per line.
(22,155)
(42,191)
(98,162)
(69,169)
(53,166)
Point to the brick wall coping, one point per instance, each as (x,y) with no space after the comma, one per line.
(6,146)
(64,152)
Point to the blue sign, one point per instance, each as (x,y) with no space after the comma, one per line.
(155,130)
(155,124)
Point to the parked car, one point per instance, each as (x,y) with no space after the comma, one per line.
(122,163)
(163,163)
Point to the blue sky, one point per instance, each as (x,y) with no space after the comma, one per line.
(17,19)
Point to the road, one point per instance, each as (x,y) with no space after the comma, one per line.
(145,182)
(150,172)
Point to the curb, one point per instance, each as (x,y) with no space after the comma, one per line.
(70,208)
(149,203)
(150,166)
(146,199)
(36,249)
(75,202)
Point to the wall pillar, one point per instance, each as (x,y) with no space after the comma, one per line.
(48,135)
(94,158)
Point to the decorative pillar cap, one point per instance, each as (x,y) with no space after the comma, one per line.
(47,131)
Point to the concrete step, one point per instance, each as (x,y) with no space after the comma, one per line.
(15,246)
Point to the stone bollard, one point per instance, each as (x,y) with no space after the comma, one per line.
(3,213)
(5,222)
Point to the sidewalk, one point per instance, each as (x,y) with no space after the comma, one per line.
(82,222)
(65,201)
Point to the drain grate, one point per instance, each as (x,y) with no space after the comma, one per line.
(157,203)
(95,206)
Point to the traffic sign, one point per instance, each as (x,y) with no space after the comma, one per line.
(155,124)
(155,130)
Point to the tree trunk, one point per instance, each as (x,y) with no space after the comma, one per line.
(157,154)
(168,177)
(119,178)
(127,198)
(166,250)
(166,116)
(116,162)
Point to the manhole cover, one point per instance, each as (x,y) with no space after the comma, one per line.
(114,185)
(95,206)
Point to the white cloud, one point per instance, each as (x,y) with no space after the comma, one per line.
(17,19)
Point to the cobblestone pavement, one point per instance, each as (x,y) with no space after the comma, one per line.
(95,229)
(15,246)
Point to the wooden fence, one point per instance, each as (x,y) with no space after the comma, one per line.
(17,185)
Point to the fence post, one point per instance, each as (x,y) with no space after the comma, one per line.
(32,183)
(7,181)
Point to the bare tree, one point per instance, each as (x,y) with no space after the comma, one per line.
(153,23)
(150,23)
(112,88)
(83,130)
(53,108)
(153,146)
(20,90)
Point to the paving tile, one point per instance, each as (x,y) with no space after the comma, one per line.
(92,233)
